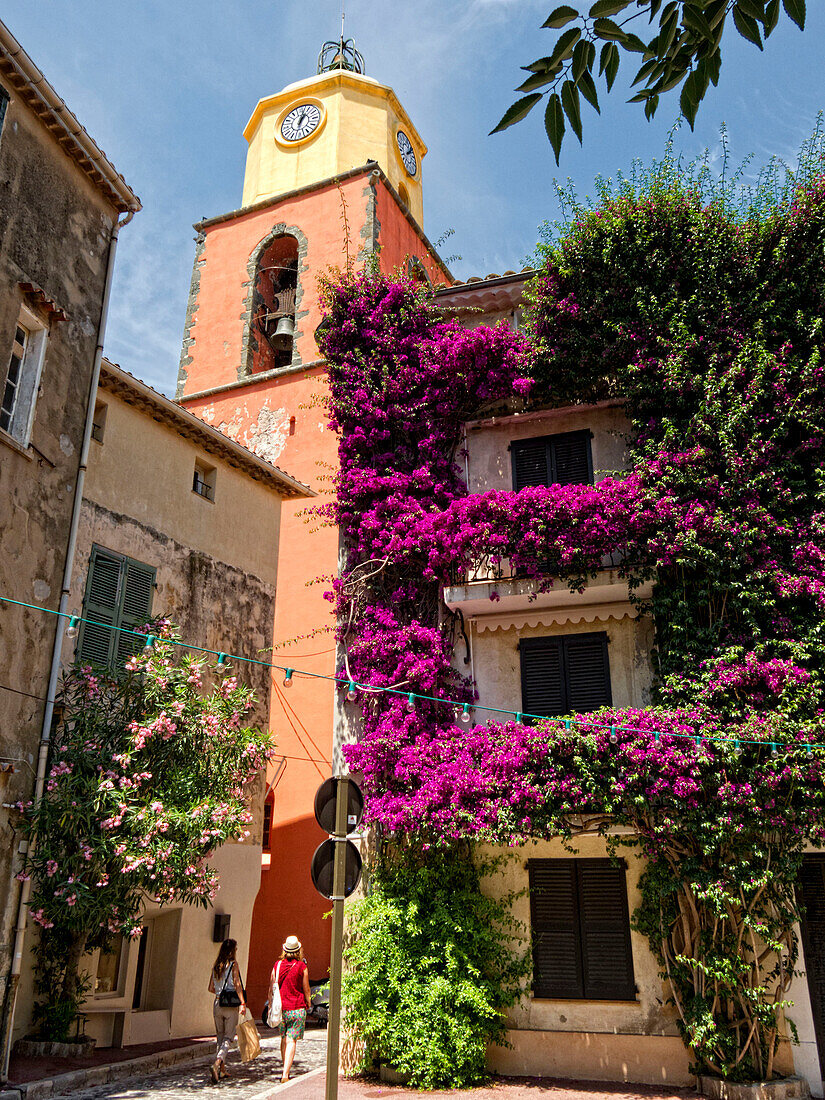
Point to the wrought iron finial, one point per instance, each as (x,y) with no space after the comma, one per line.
(340,55)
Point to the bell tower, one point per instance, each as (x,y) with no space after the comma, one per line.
(328,124)
(333,179)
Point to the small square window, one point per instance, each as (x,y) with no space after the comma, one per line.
(203,480)
(99,421)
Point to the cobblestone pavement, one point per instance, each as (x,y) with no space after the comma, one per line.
(256,1080)
(510,1088)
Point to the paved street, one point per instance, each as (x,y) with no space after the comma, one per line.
(253,1081)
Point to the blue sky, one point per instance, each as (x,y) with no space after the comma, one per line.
(166,89)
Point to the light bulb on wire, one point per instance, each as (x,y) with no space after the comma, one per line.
(411,701)
(222,666)
(71,629)
(150,641)
(352,693)
(287,677)
(466,717)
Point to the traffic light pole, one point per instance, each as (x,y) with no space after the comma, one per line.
(336,951)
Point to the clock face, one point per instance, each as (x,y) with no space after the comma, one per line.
(300,122)
(407,152)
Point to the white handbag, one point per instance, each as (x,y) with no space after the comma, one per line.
(274,1011)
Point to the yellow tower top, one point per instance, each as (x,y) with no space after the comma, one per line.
(320,127)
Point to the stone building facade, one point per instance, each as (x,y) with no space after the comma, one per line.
(179,521)
(61,201)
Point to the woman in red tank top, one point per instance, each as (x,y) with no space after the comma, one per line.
(293,982)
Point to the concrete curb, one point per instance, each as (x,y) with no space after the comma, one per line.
(115,1071)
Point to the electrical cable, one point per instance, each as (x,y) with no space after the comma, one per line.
(462,708)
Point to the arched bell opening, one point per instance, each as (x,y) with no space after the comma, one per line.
(274,303)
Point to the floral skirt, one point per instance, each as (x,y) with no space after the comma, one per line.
(292,1023)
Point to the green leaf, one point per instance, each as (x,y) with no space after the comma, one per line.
(633,43)
(691,96)
(771,16)
(608,7)
(538,80)
(609,63)
(560,17)
(714,66)
(607,29)
(519,110)
(587,87)
(650,107)
(539,66)
(554,123)
(565,45)
(747,27)
(694,20)
(796,10)
(570,103)
(753,8)
(583,58)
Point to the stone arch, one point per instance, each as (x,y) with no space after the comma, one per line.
(281,246)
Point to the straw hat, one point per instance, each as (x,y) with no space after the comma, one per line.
(291,944)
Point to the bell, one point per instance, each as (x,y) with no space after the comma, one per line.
(281,338)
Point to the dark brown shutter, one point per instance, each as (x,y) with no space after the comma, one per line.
(811,892)
(588,672)
(581,930)
(562,459)
(530,465)
(605,931)
(572,463)
(557,968)
(542,677)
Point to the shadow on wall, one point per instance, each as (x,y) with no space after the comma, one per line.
(282,908)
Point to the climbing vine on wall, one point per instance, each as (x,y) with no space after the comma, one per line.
(704,319)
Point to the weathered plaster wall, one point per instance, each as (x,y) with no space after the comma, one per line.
(589,1040)
(54,233)
(497,668)
(488,444)
(144,468)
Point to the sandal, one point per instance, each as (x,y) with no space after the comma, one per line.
(214,1070)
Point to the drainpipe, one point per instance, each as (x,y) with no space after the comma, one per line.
(10,998)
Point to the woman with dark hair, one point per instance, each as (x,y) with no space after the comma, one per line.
(225,982)
(292,976)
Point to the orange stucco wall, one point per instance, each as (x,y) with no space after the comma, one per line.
(283,419)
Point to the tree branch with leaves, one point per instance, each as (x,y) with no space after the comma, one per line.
(685,50)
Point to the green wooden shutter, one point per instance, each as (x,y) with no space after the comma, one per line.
(136,607)
(557,965)
(605,931)
(96,643)
(119,594)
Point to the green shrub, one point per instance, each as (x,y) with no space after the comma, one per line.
(431,967)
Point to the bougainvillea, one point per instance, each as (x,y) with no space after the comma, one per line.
(147,777)
(706,324)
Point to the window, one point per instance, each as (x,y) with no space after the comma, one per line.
(562,459)
(20,385)
(581,930)
(118,594)
(4,102)
(267,844)
(203,481)
(567,675)
(108,965)
(99,421)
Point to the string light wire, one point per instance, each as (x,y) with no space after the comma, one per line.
(353,687)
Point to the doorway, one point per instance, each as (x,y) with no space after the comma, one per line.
(812,888)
